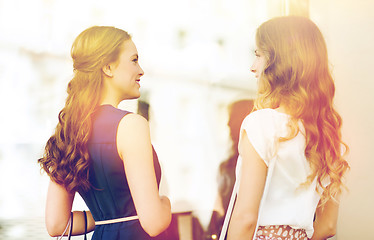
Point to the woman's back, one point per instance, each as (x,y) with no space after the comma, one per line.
(110,197)
(286,201)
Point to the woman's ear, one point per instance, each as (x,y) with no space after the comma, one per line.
(107,70)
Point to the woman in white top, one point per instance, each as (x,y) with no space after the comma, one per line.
(291,163)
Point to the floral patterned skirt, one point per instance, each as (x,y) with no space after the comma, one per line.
(280,232)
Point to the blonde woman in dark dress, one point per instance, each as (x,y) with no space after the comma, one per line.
(103,153)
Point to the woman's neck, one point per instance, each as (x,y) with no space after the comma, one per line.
(110,98)
(109,103)
(281,109)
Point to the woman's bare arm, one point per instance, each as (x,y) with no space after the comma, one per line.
(252,183)
(326,220)
(57,214)
(134,147)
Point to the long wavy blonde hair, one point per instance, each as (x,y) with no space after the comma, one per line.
(66,159)
(297,75)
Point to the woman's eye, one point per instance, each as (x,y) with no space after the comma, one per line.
(135,60)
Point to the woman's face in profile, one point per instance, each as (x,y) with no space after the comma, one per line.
(259,63)
(127,72)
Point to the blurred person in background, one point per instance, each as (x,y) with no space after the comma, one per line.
(238,110)
(291,156)
(104,153)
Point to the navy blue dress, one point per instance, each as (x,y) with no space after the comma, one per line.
(109,196)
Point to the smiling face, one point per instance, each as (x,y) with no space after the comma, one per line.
(259,63)
(124,75)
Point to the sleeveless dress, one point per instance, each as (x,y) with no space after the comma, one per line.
(109,196)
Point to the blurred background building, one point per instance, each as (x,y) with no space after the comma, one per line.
(196,56)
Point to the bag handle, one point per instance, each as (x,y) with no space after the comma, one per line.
(230,208)
(85,224)
(235,193)
(70,223)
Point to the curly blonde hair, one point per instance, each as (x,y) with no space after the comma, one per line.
(66,159)
(297,75)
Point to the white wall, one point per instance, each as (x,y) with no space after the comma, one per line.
(348,27)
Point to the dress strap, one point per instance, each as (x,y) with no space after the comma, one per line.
(116,220)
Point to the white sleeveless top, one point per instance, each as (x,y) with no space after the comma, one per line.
(284,201)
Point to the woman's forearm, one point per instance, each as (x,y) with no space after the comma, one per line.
(164,216)
(241,227)
(79,222)
(326,220)
(323,231)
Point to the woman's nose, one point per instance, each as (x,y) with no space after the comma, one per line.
(253,69)
(141,71)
